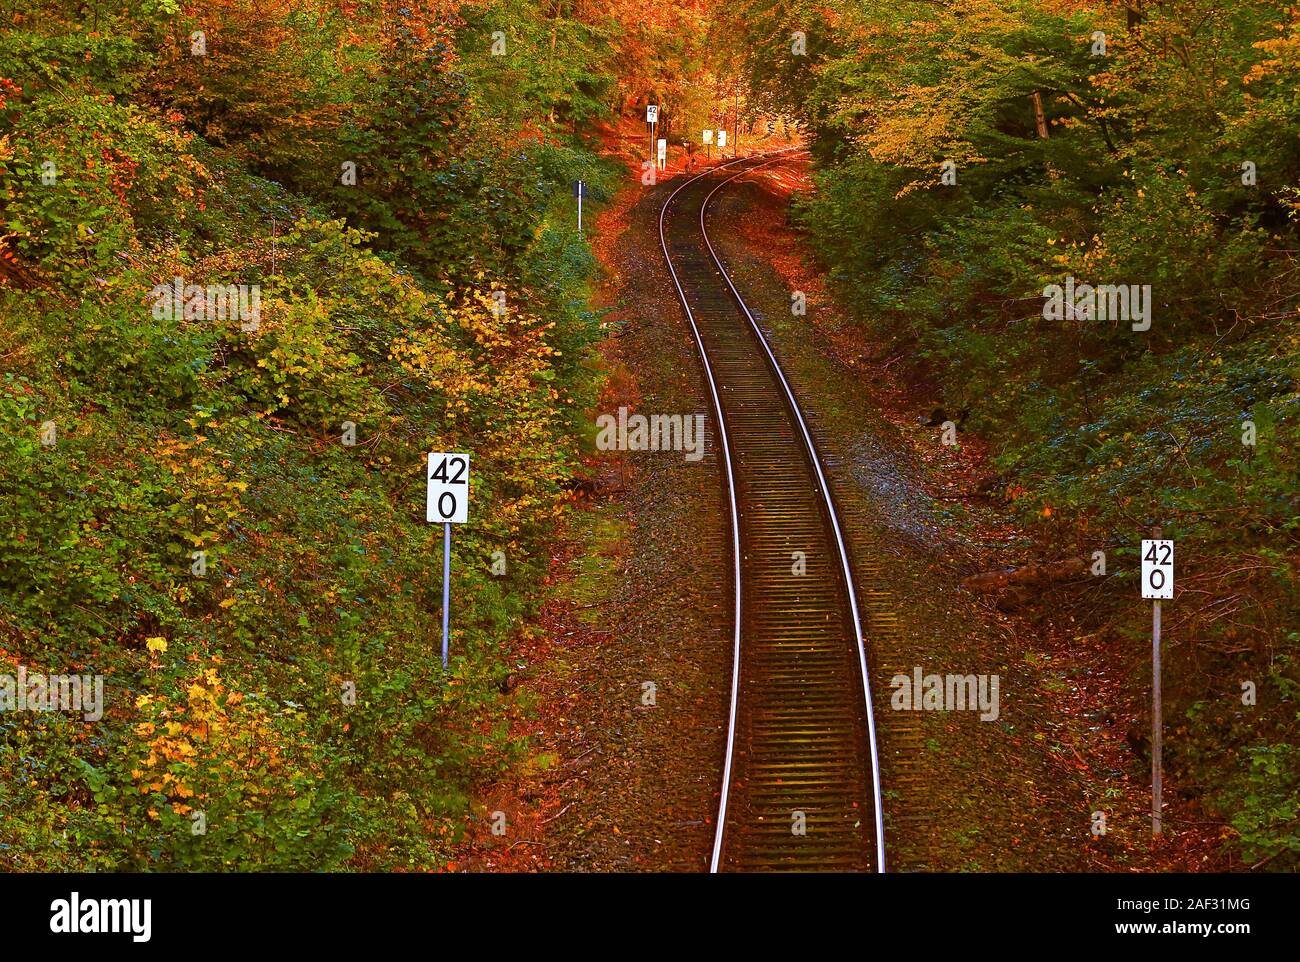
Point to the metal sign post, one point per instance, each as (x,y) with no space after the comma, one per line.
(735,140)
(708,144)
(447,502)
(446,590)
(1157,584)
(1157,721)
(652,118)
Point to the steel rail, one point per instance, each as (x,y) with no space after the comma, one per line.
(731,497)
(829,501)
(831,516)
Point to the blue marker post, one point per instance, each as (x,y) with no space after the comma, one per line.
(446,589)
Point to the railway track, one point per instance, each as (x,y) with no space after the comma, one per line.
(801,785)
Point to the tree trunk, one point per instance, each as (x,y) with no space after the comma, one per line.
(1039,117)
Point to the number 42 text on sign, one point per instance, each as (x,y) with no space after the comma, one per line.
(447,502)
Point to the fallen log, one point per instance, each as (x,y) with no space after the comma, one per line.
(1051,572)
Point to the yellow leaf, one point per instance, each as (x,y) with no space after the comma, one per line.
(156,644)
(228,602)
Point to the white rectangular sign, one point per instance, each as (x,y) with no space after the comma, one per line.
(651,113)
(448,488)
(722,138)
(663,152)
(708,136)
(1157,569)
